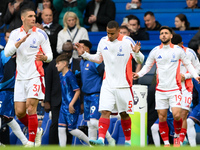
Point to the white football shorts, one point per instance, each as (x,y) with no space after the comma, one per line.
(115,99)
(32,88)
(166,99)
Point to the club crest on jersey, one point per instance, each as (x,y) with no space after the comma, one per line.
(173,58)
(120,52)
(33,45)
(87,67)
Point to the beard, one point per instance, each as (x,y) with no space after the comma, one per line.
(165,42)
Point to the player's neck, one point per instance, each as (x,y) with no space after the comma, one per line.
(27,28)
(65,70)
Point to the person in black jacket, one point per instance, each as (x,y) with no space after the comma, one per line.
(98,13)
(52,29)
(136,33)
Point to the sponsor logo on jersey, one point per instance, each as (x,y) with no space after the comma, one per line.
(159,57)
(18,39)
(105,48)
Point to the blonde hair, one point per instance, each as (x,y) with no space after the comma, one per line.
(73,15)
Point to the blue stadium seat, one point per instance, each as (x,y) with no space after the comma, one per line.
(153,4)
(118,133)
(46,123)
(164,16)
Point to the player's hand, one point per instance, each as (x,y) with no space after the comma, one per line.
(135,76)
(18,43)
(40,57)
(79,48)
(137,47)
(182,77)
(71,109)
(47,107)
(198,79)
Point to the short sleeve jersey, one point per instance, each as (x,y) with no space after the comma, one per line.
(69,86)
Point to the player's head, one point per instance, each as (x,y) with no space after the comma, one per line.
(87,45)
(112,30)
(7,34)
(177,40)
(124,30)
(67,48)
(62,62)
(166,35)
(28,17)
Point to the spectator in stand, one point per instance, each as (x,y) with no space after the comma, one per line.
(76,6)
(134,4)
(47,4)
(181,23)
(13,12)
(136,33)
(192,4)
(194,42)
(150,21)
(3,7)
(99,13)
(51,28)
(72,31)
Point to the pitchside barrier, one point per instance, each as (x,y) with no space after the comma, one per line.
(139,118)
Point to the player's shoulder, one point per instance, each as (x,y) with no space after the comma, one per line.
(128,39)
(191,52)
(42,32)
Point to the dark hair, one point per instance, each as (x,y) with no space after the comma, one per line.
(8,31)
(113,24)
(67,46)
(176,39)
(133,17)
(26,10)
(149,13)
(124,27)
(166,27)
(86,43)
(183,17)
(62,57)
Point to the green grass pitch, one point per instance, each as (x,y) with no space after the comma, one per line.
(98,148)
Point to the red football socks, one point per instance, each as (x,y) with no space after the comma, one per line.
(103,127)
(126,126)
(182,134)
(164,130)
(32,126)
(24,120)
(177,126)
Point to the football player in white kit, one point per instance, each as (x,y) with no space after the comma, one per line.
(186,82)
(168,90)
(31,46)
(116,51)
